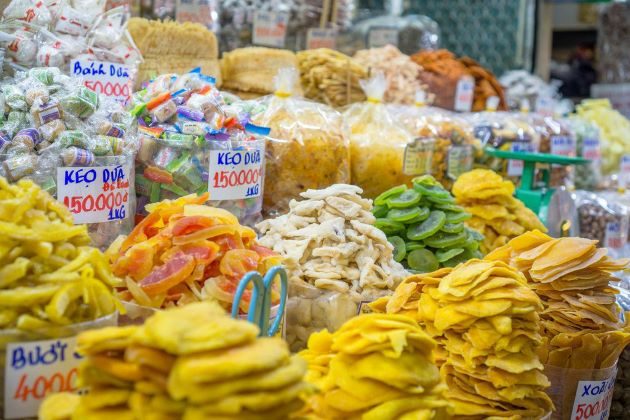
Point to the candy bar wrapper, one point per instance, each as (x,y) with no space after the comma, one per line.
(73,156)
(46,112)
(82,103)
(50,131)
(29,137)
(164,111)
(38,93)
(17,167)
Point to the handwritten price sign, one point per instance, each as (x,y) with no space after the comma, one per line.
(270,28)
(36,369)
(591,149)
(592,399)
(321,38)
(95,194)
(235,174)
(464,94)
(109,79)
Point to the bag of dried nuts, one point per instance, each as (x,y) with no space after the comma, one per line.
(604,220)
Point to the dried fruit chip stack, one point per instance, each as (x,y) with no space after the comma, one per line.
(425,226)
(49,276)
(192,362)
(375,367)
(487,319)
(581,321)
(496,213)
(184,252)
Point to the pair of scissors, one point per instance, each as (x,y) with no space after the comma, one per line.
(260,304)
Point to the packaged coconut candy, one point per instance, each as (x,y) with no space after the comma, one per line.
(379,145)
(443,144)
(191,141)
(335,257)
(53,285)
(75,143)
(508,131)
(307,148)
(193,362)
(183,252)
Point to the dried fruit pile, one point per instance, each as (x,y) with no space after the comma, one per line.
(425,226)
(183,252)
(192,362)
(487,320)
(496,213)
(581,322)
(48,274)
(375,367)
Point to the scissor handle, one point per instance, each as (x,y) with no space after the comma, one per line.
(266,311)
(256,304)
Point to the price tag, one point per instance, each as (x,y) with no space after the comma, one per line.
(592,399)
(321,38)
(624,171)
(515,167)
(36,369)
(109,79)
(562,146)
(590,149)
(199,11)
(464,94)
(270,28)
(95,194)
(614,236)
(460,160)
(235,174)
(379,37)
(418,156)
(544,105)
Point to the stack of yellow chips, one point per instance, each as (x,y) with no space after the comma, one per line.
(375,367)
(487,319)
(581,321)
(192,362)
(49,276)
(496,213)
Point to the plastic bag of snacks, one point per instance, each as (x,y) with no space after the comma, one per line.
(308,145)
(383,152)
(505,131)
(604,220)
(447,139)
(191,142)
(76,144)
(588,146)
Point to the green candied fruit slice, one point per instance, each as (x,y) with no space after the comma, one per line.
(452,217)
(427,185)
(446,254)
(399,247)
(389,227)
(424,214)
(471,244)
(380,210)
(453,227)
(407,199)
(462,257)
(441,200)
(450,207)
(476,235)
(429,227)
(405,215)
(446,240)
(412,246)
(422,260)
(392,192)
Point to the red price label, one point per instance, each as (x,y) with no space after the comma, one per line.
(593,398)
(112,202)
(226,179)
(40,386)
(235,175)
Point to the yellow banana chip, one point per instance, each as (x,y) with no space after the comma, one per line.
(58,406)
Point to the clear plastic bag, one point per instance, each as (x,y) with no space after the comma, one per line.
(308,145)
(589,176)
(621,396)
(378,143)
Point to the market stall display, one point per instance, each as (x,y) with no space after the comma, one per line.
(250,72)
(193,362)
(613,130)
(184,252)
(486,85)
(557,138)
(445,140)
(486,318)
(307,147)
(334,256)
(190,141)
(53,129)
(521,85)
(172,47)
(378,144)
(587,146)
(331,77)
(401,73)
(496,214)
(580,325)
(613,34)
(375,366)
(425,226)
